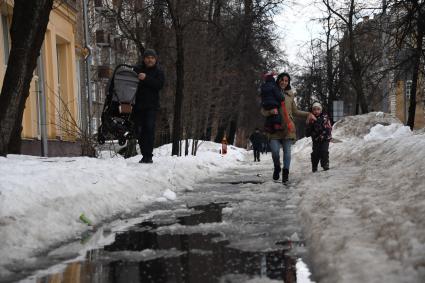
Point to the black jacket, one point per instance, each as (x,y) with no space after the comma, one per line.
(256,139)
(147,96)
(320,130)
(271,96)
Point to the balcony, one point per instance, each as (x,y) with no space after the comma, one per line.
(104,72)
(98,5)
(103,38)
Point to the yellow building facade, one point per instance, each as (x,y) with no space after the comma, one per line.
(401,101)
(56,77)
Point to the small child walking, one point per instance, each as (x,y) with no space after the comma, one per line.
(320,132)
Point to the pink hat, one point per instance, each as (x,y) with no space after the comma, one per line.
(269,74)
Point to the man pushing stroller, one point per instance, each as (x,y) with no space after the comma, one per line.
(151,81)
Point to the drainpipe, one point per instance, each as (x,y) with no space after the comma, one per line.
(42,105)
(386,102)
(87,60)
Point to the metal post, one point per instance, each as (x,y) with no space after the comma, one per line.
(42,104)
(87,65)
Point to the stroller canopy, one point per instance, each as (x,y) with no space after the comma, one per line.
(125,84)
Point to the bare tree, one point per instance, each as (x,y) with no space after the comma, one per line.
(213,93)
(409,31)
(347,15)
(29,24)
(175,8)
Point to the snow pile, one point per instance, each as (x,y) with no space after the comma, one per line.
(363,219)
(41,199)
(380,132)
(360,125)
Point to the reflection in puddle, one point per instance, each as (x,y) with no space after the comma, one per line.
(144,255)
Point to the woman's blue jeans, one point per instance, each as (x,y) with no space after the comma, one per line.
(275,148)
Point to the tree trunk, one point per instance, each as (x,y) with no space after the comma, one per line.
(356,77)
(29,23)
(416,66)
(156,28)
(177,123)
(232,130)
(186,147)
(220,131)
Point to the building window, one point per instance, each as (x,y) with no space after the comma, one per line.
(6,44)
(94,125)
(100,93)
(408,88)
(93,92)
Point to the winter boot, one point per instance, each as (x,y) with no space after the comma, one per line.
(276,173)
(314,162)
(146,159)
(325,166)
(285,175)
(314,166)
(324,162)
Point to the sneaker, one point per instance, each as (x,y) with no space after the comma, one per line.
(314,169)
(325,168)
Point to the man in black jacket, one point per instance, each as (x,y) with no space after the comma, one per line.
(256,140)
(151,81)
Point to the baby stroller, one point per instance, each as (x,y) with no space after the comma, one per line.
(116,120)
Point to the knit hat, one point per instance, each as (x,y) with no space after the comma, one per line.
(150,52)
(269,75)
(316,104)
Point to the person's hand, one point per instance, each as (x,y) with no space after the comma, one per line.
(141,76)
(310,118)
(275,111)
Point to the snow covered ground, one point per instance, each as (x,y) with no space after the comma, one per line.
(363,219)
(41,199)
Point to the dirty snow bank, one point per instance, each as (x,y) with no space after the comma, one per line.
(363,219)
(41,199)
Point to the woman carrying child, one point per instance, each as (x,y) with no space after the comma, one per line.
(285,136)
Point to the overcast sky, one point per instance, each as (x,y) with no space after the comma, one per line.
(298,24)
(296,27)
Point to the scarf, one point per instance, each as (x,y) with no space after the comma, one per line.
(286,117)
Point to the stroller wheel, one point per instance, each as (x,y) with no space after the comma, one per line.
(101,139)
(122,142)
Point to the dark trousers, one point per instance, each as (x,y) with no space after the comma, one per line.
(145,130)
(320,154)
(256,153)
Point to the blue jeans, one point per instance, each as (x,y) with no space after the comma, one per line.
(275,148)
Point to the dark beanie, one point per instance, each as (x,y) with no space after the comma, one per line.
(150,52)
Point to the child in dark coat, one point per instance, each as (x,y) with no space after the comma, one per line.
(271,98)
(321,133)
